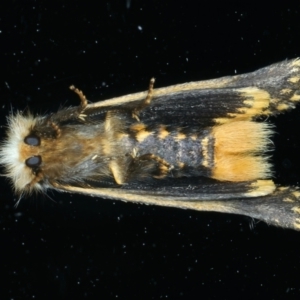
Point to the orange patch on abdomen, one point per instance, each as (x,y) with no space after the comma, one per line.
(239,151)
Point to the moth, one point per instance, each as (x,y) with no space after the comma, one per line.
(199,145)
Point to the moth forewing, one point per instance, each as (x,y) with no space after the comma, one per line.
(196,145)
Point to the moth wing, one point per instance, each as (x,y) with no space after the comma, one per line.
(280,206)
(267,91)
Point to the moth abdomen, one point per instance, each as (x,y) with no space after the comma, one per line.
(179,148)
(234,151)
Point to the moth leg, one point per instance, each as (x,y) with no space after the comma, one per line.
(38,177)
(146,102)
(83,102)
(147,166)
(57,130)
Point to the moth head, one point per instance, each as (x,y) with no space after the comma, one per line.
(19,154)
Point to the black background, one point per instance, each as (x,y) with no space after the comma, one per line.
(79,247)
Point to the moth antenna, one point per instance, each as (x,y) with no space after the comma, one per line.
(56,129)
(146,102)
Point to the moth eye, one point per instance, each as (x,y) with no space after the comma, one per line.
(34,161)
(32,140)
